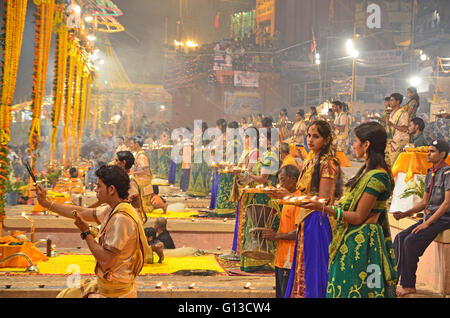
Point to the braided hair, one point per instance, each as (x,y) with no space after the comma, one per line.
(324,129)
(377,136)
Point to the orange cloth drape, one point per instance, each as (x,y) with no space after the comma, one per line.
(343,159)
(412,163)
(39,208)
(73,185)
(290,160)
(297,150)
(340,155)
(27,248)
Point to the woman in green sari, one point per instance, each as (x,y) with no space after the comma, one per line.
(153,159)
(413,103)
(362,261)
(164,156)
(248,158)
(200,176)
(262,172)
(224,206)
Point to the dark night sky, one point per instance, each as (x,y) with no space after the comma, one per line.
(139,48)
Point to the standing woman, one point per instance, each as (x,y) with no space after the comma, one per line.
(313,115)
(299,129)
(173,170)
(200,176)
(224,206)
(320,175)
(362,261)
(283,124)
(153,155)
(262,172)
(221,125)
(143,176)
(238,195)
(164,155)
(413,103)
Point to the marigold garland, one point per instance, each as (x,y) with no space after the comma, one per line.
(76,105)
(69,96)
(88,99)
(44,25)
(61,53)
(94,119)
(12,33)
(84,91)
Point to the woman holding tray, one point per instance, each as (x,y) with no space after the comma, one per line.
(362,261)
(320,176)
(200,175)
(261,172)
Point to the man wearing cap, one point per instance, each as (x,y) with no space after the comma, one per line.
(411,243)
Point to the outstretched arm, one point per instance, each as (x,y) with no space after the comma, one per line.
(63,209)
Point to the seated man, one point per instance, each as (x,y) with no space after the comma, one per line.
(162,234)
(74,185)
(121,248)
(287,231)
(154,244)
(416,127)
(286,157)
(125,159)
(411,243)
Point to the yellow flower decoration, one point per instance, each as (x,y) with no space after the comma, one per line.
(362,275)
(359,238)
(343,249)
(391,253)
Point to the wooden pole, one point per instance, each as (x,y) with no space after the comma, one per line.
(1,224)
(128,116)
(353,66)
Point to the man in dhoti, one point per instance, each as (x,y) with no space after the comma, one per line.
(342,127)
(121,246)
(143,176)
(397,126)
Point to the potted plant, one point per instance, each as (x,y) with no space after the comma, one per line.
(12,186)
(415,188)
(50,176)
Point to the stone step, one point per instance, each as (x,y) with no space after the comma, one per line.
(150,293)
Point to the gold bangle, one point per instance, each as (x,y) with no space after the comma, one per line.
(51,205)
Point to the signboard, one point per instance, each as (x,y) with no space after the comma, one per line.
(382,57)
(222,59)
(241,103)
(246,79)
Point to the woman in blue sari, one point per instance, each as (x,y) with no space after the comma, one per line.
(320,176)
(362,261)
(221,125)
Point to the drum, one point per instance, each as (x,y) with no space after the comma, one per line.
(259,218)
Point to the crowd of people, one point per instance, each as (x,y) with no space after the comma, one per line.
(325,248)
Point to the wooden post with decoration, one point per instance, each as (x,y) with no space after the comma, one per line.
(61,54)
(13,25)
(43,36)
